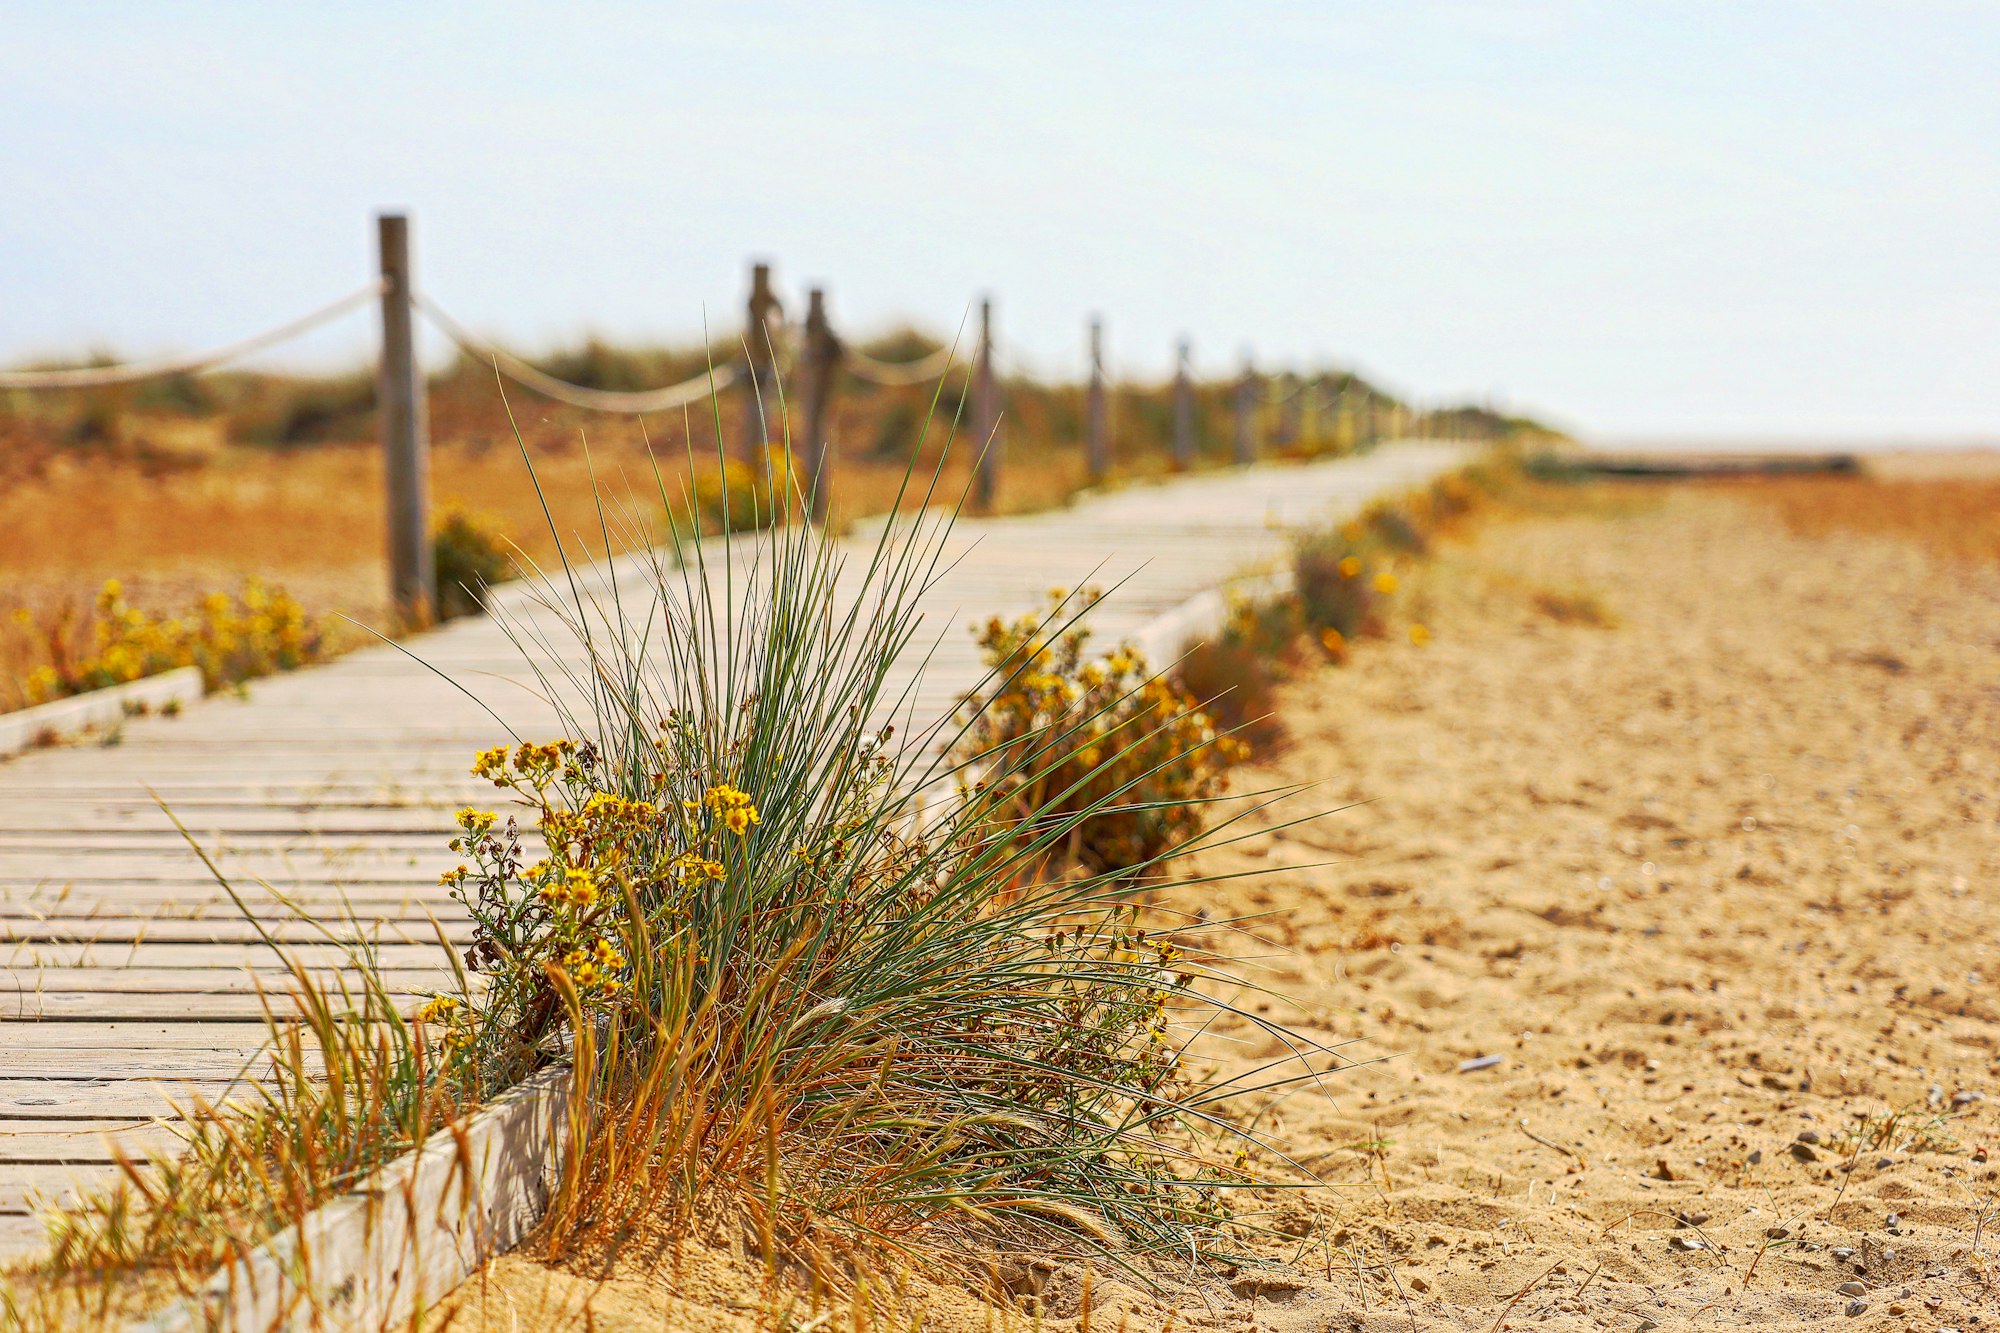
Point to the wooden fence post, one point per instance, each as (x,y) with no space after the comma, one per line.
(1096,424)
(1183,406)
(822,352)
(986,415)
(1245,435)
(405,438)
(761,329)
(1289,410)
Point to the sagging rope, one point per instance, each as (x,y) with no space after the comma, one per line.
(1299,387)
(665,399)
(192,363)
(898,374)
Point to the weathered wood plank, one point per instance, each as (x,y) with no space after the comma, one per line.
(170,1062)
(106,1099)
(239,1036)
(152,1006)
(220,928)
(55,1141)
(155,954)
(29,1188)
(108,981)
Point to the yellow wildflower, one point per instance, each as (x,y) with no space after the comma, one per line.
(733,807)
(1350,566)
(492,765)
(693,868)
(475,821)
(1385,582)
(576,888)
(438,1010)
(1419,635)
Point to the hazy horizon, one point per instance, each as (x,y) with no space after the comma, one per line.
(1695,222)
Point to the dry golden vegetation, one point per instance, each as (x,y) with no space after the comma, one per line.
(1951,515)
(184,486)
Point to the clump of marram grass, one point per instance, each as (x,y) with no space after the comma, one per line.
(809,978)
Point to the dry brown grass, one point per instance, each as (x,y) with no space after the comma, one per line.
(1953,512)
(174,511)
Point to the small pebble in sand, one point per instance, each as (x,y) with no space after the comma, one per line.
(1856,1307)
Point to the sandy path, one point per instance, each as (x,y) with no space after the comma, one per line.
(1708,881)
(1717,884)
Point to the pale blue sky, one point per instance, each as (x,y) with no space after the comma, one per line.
(1711,219)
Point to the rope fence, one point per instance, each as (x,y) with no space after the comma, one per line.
(191,363)
(670,398)
(899,374)
(810,345)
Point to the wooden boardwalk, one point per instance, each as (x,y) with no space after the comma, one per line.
(128,979)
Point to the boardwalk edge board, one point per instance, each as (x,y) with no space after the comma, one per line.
(26,728)
(406,1237)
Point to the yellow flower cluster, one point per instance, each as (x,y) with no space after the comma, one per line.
(694,868)
(573,888)
(595,968)
(447,1012)
(733,807)
(1065,733)
(256,632)
(535,765)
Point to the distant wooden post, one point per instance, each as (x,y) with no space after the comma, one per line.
(1183,406)
(1245,434)
(986,415)
(822,369)
(1096,424)
(405,437)
(761,330)
(1289,409)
